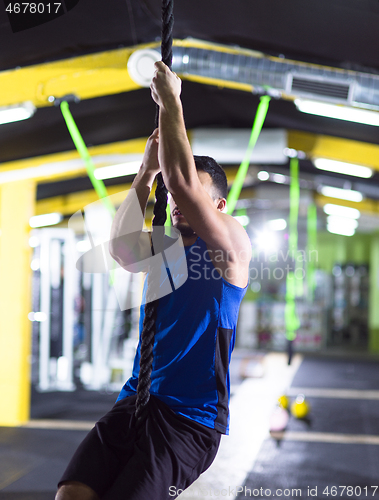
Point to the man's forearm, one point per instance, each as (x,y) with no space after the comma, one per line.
(129,218)
(175,154)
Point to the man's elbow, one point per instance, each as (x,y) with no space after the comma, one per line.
(118,252)
(123,258)
(131,250)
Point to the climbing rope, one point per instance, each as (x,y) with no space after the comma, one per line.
(159,219)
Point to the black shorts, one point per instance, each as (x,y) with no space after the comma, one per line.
(169,455)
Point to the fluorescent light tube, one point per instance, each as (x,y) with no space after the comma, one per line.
(128,168)
(343,194)
(342,222)
(279,178)
(266,241)
(34,241)
(242,219)
(45,220)
(37,316)
(341,211)
(17,112)
(341,167)
(339,112)
(276,224)
(342,231)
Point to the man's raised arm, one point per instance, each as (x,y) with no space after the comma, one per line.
(219,230)
(128,244)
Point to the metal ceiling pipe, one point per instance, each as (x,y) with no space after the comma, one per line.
(280,77)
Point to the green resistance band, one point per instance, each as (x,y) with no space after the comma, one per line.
(294,217)
(292,286)
(168,218)
(294,206)
(311,248)
(290,316)
(97,184)
(243,168)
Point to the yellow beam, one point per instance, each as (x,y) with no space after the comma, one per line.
(323,146)
(87,76)
(70,203)
(94,75)
(313,145)
(99,74)
(16,207)
(68,164)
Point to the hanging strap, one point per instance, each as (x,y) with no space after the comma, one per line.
(291,318)
(81,147)
(260,117)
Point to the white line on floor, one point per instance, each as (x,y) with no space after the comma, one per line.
(323,437)
(333,393)
(72,425)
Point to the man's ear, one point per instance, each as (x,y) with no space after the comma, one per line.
(221,204)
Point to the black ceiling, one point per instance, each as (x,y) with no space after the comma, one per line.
(340,33)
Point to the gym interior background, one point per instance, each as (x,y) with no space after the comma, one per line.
(309,202)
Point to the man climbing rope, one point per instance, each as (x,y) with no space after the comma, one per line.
(156,457)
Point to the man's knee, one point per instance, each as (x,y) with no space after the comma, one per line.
(73,490)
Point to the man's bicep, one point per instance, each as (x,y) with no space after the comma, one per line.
(201,213)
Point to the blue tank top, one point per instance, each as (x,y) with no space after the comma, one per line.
(195,336)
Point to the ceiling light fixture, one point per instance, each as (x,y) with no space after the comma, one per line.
(266,241)
(242,219)
(276,224)
(34,241)
(341,167)
(279,178)
(141,66)
(45,220)
(16,112)
(263,175)
(342,194)
(341,222)
(339,112)
(341,211)
(128,168)
(341,231)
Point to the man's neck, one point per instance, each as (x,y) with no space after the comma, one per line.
(189,240)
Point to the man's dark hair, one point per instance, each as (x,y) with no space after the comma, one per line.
(211,167)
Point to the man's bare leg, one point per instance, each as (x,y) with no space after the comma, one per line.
(73,490)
